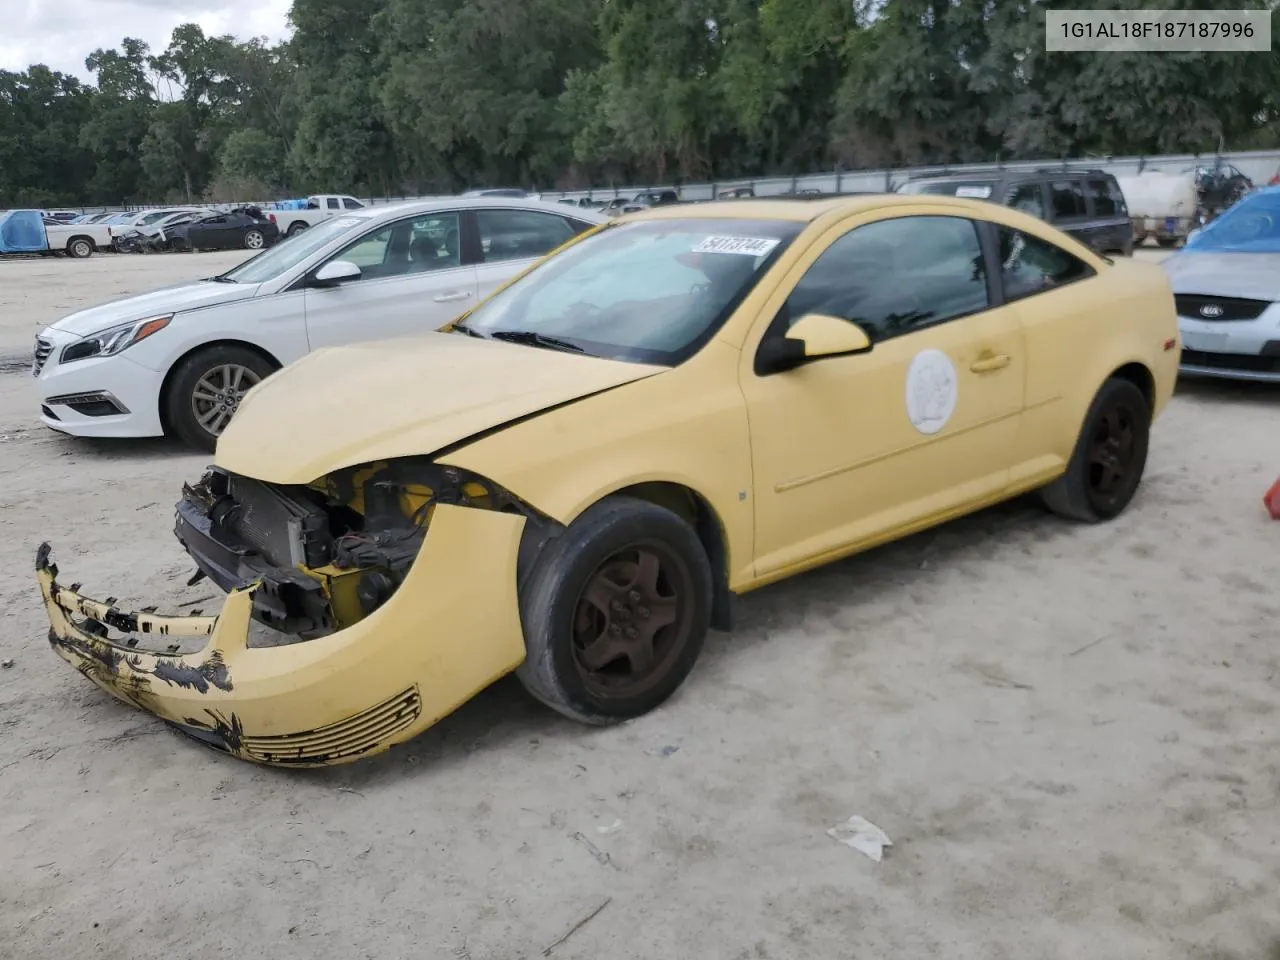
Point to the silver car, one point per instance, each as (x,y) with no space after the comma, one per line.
(1226,282)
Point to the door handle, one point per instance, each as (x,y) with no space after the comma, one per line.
(452,296)
(989,363)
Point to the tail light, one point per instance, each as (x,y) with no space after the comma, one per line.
(271,217)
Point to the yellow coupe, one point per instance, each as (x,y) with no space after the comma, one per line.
(573,480)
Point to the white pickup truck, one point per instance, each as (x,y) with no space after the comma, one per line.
(318,208)
(77,240)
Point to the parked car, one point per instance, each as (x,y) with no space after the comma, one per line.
(575,479)
(587,203)
(178,360)
(656,198)
(29,231)
(62,216)
(1226,282)
(245,229)
(140,231)
(292,217)
(1087,204)
(620,205)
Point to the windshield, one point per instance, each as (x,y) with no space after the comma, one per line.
(288,253)
(650,292)
(1251,226)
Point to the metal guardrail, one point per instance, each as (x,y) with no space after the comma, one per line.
(1258,165)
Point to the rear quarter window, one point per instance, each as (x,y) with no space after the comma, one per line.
(1029,265)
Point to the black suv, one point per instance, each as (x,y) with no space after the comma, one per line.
(1087,204)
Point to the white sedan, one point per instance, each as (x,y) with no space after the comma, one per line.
(178,361)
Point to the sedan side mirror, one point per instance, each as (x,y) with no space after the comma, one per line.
(812,337)
(335,273)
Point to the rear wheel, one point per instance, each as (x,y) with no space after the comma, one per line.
(255,240)
(1111,453)
(80,248)
(615,612)
(206,389)
(295,229)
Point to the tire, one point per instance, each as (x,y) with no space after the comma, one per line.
(81,248)
(295,229)
(203,371)
(255,240)
(1167,241)
(1089,491)
(608,551)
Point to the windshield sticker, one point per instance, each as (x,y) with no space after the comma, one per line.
(746,246)
(974,193)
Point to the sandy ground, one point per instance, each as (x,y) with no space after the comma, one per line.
(1069,733)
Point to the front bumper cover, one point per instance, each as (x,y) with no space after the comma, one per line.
(450,630)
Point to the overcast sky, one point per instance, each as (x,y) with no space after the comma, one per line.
(61,33)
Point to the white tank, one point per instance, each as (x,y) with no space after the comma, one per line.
(1159,195)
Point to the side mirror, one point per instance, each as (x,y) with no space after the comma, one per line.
(334,273)
(812,337)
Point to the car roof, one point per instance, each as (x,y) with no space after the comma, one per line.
(798,210)
(1008,174)
(411,207)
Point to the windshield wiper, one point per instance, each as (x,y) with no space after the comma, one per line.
(529,338)
(462,327)
(219,279)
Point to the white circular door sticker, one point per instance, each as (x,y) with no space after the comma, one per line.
(932,387)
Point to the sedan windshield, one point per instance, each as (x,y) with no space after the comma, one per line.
(653,291)
(1251,226)
(287,254)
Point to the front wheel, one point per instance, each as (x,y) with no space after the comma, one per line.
(206,389)
(1111,453)
(615,612)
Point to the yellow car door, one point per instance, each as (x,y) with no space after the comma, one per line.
(856,449)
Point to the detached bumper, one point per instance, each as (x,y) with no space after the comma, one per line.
(450,630)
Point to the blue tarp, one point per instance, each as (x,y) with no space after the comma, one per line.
(1251,226)
(22,231)
(290,205)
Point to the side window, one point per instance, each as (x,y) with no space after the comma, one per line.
(1029,265)
(897,276)
(419,245)
(350,204)
(1117,197)
(1103,204)
(520,234)
(1068,199)
(332,203)
(1028,198)
(578,226)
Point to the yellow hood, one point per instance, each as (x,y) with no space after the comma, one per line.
(344,406)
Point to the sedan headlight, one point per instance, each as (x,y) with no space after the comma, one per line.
(113,340)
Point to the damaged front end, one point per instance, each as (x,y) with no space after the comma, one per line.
(399,580)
